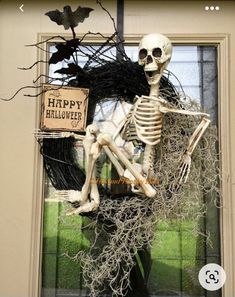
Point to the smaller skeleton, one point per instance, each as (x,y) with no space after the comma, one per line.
(143,123)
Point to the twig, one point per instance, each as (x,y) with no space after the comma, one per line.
(30,67)
(26,87)
(45,41)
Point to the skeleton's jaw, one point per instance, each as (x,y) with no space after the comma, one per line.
(153,72)
(153,77)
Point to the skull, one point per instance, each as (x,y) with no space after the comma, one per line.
(154,55)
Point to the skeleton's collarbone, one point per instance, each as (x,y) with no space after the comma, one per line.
(152,99)
(151,106)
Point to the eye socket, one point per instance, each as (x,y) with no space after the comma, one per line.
(157,52)
(143,53)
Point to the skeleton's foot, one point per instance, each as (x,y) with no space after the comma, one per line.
(69,195)
(87,207)
(47,134)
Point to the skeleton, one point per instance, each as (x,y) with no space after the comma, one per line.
(144,123)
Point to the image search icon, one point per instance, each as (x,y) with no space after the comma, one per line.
(212,277)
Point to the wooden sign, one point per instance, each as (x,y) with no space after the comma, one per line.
(64,108)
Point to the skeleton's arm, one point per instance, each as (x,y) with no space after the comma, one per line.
(165,109)
(185,163)
(43,134)
(193,141)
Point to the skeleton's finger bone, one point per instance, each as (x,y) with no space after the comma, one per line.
(184,173)
(183,170)
(187,174)
(181,177)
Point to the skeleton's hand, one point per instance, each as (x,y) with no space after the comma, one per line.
(184,168)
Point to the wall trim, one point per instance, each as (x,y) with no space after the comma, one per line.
(227,221)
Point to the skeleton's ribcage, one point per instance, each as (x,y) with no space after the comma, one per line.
(144,122)
(128,131)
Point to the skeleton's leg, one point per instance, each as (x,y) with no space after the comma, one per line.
(106,139)
(90,182)
(114,161)
(77,196)
(89,147)
(92,151)
(91,205)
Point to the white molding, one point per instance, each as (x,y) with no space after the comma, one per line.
(37,208)
(227,220)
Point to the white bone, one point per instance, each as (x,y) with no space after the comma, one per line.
(193,141)
(142,123)
(197,134)
(114,161)
(68,195)
(106,139)
(134,187)
(47,134)
(154,55)
(147,167)
(92,152)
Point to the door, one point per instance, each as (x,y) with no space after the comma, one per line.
(181,247)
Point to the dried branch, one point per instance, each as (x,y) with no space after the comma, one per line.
(109,14)
(45,41)
(17,92)
(127,225)
(30,67)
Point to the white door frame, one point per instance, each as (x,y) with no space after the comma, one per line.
(227,221)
